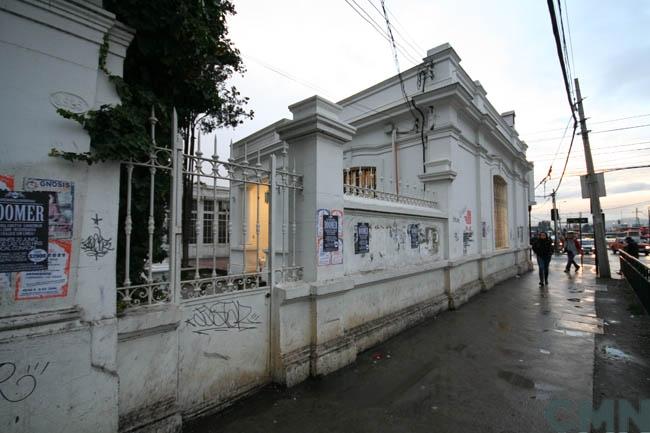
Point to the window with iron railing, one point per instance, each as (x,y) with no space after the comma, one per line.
(362,177)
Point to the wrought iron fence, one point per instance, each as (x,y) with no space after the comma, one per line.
(261,201)
(638,275)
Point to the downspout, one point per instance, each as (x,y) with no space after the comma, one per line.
(395,158)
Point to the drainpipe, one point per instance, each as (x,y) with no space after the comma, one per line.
(395,158)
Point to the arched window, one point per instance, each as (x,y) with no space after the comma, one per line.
(500,188)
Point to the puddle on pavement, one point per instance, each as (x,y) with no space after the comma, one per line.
(579,326)
(614,353)
(571,333)
(596,287)
(516,379)
(582,319)
(503,326)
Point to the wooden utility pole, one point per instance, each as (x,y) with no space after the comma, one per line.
(592,182)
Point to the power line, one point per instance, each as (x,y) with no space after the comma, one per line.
(378,29)
(399,72)
(564,47)
(558,46)
(550,169)
(645,125)
(304,83)
(568,24)
(566,161)
(606,147)
(638,149)
(593,123)
(414,48)
(621,129)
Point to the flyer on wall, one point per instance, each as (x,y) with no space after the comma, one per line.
(61,204)
(23,231)
(50,283)
(6,182)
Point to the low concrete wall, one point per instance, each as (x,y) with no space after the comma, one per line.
(147,356)
(322,327)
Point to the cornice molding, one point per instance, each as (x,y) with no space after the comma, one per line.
(316,124)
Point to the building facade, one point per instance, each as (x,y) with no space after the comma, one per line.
(325,234)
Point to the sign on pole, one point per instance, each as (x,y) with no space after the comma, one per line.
(600,182)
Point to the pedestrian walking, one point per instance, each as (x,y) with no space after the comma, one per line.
(543,248)
(631,247)
(572,248)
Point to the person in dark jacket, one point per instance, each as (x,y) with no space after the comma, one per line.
(631,247)
(543,248)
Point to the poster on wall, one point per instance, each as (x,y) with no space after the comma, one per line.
(6,182)
(329,236)
(362,238)
(50,283)
(23,231)
(61,204)
(330,233)
(414,233)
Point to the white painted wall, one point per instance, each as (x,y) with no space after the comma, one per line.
(60,353)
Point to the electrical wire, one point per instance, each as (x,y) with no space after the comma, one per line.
(558,46)
(593,123)
(379,30)
(416,50)
(645,125)
(564,49)
(566,161)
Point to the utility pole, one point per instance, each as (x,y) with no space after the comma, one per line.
(636,214)
(556,243)
(592,182)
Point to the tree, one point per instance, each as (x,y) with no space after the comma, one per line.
(180,57)
(181,52)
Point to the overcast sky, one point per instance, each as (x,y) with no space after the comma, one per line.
(294,49)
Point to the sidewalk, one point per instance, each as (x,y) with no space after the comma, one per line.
(491,366)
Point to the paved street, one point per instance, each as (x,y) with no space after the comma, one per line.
(491,366)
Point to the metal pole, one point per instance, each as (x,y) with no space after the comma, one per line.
(556,244)
(599,228)
(580,235)
(176,215)
(272,186)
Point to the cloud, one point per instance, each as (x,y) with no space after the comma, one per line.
(629,187)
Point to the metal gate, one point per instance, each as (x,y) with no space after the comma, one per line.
(224,333)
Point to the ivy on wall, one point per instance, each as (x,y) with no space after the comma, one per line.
(180,57)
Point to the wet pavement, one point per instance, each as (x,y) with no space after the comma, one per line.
(622,365)
(493,365)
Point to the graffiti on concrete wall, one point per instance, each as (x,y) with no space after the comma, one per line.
(465,220)
(96,245)
(223,316)
(16,386)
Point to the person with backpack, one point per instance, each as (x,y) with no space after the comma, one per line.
(572,249)
(543,249)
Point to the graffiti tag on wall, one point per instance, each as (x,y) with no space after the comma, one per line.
(96,245)
(223,316)
(16,387)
